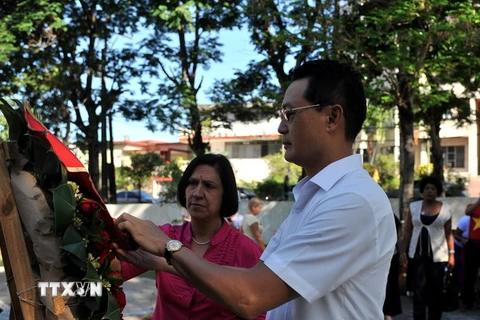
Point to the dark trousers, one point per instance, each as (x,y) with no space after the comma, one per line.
(428,292)
(459,267)
(472,262)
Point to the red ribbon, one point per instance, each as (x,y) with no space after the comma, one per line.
(76,170)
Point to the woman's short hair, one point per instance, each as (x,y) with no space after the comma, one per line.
(224,169)
(433,181)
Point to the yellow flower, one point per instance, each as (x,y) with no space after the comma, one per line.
(93,261)
(106,283)
(77,222)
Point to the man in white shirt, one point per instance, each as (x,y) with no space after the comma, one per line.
(330,258)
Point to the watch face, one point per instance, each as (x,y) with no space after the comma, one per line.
(174,245)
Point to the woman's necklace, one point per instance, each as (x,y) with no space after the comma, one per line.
(200,243)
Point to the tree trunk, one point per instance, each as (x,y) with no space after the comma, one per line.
(103,146)
(93,151)
(436,151)
(407,156)
(196,143)
(111,168)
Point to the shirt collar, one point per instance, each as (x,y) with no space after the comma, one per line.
(327,177)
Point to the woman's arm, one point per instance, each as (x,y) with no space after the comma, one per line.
(257,234)
(457,234)
(450,243)
(406,234)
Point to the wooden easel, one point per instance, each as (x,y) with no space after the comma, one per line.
(20,280)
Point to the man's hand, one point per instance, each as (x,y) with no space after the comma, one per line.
(144,232)
(143,259)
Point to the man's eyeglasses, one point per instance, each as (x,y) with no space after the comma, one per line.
(286,114)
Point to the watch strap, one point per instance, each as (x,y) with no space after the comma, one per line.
(167,255)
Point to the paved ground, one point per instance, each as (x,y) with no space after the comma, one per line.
(141,295)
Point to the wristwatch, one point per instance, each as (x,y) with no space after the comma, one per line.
(171,247)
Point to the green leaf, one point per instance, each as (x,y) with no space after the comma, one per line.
(38,150)
(92,274)
(52,164)
(63,206)
(64,172)
(92,303)
(16,123)
(73,243)
(113,311)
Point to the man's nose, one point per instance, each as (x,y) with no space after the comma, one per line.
(282,127)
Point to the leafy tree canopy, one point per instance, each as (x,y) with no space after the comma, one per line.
(183,40)
(142,167)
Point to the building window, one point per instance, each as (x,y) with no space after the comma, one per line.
(454,156)
(252,149)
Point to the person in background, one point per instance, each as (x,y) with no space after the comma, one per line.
(251,225)
(460,236)
(393,305)
(472,255)
(235,221)
(427,239)
(185,216)
(208,191)
(330,258)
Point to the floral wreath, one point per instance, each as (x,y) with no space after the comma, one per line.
(81,222)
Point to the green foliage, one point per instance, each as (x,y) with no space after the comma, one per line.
(185,37)
(60,55)
(248,185)
(388,171)
(285,33)
(64,203)
(423,170)
(409,52)
(370,168)
(173,171)
(3,128)
(142,167)
(123,179)
(279,168)
(269,190)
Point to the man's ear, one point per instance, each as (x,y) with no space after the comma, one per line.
(334,115)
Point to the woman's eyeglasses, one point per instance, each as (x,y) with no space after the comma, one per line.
(286,114)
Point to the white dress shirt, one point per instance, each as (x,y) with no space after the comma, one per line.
(334,248)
